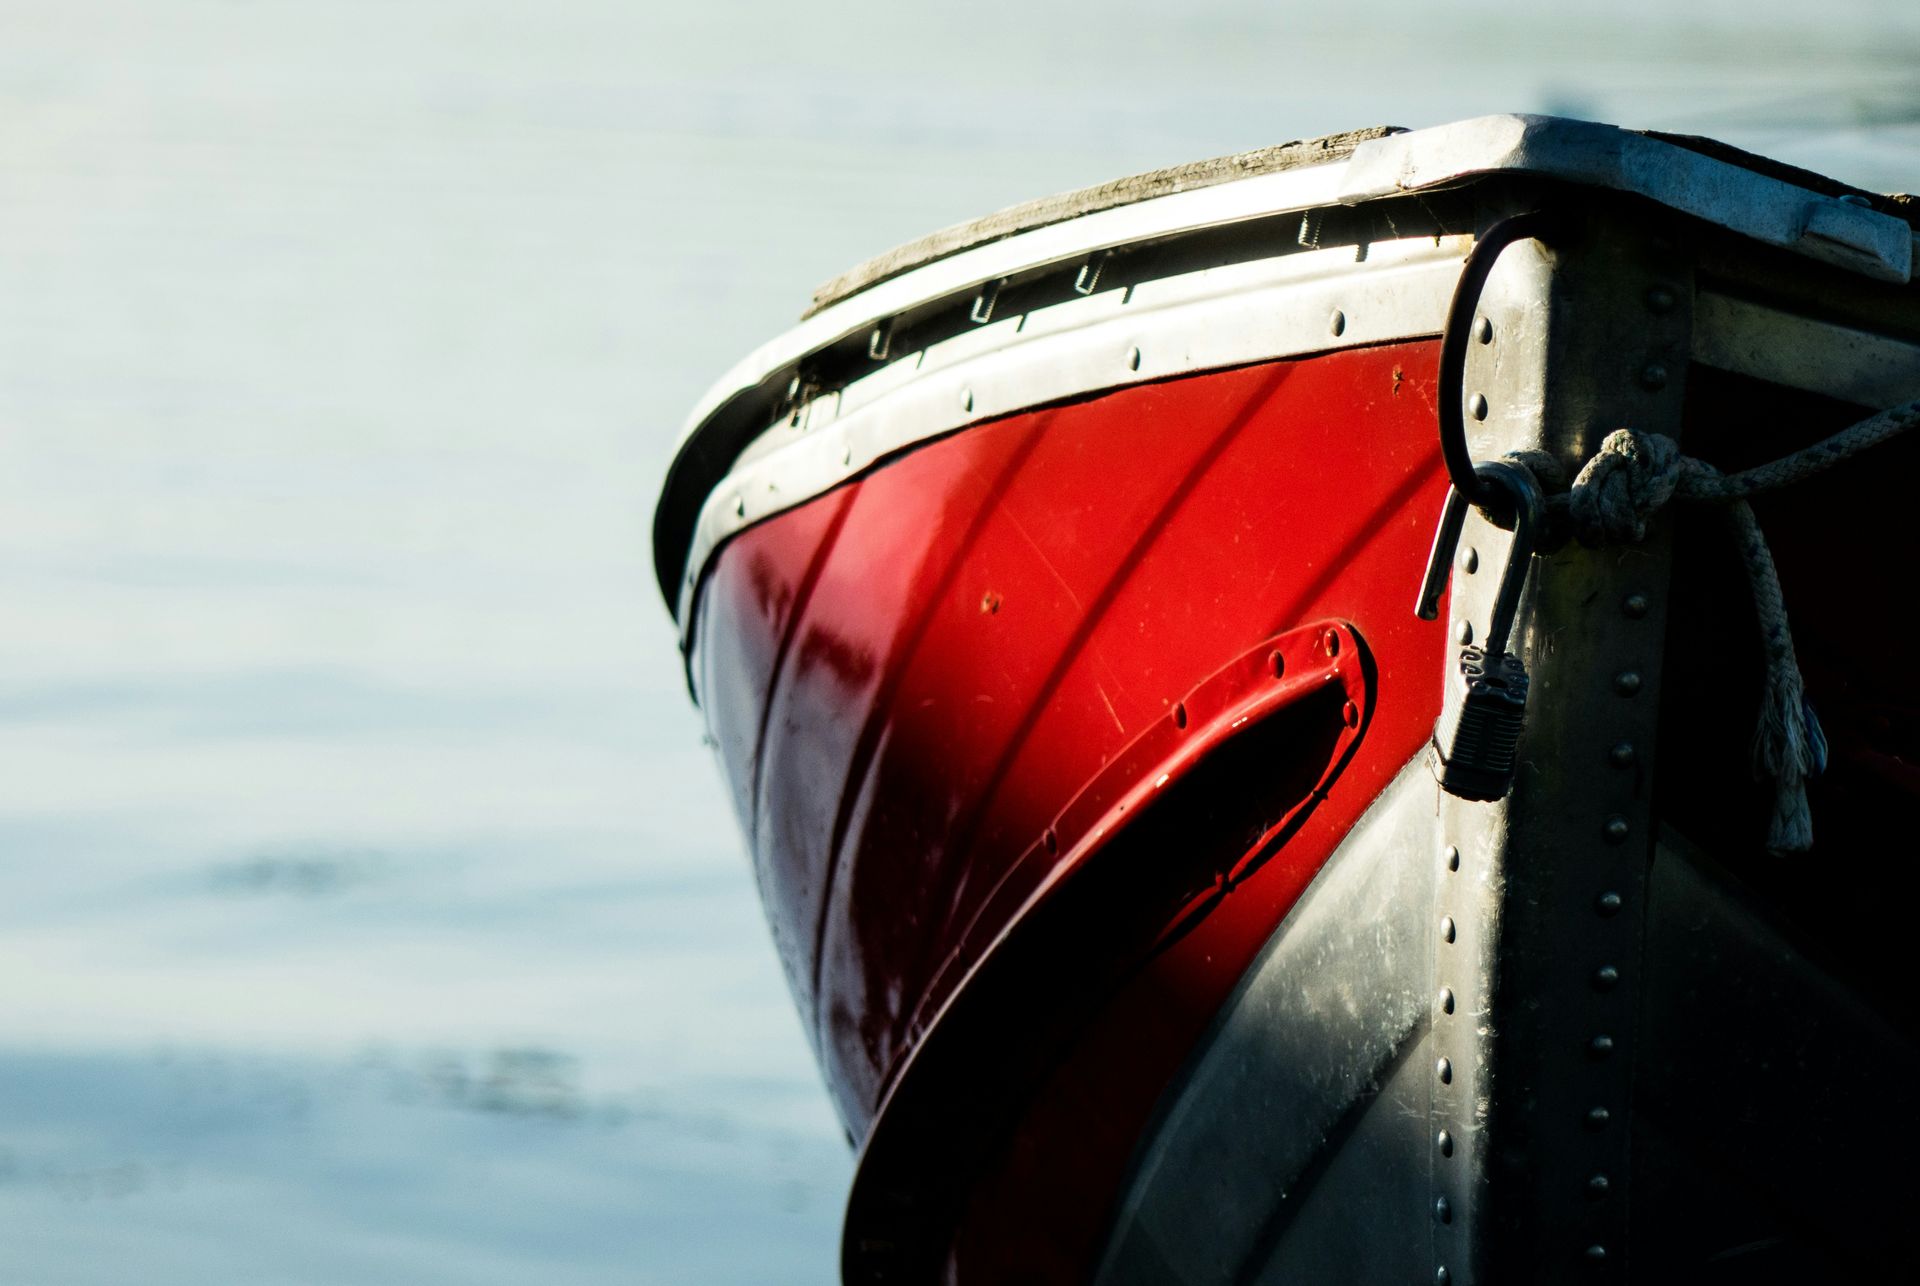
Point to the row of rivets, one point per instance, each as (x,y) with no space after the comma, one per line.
(1467,559)
(1616,829)
(1444,1004)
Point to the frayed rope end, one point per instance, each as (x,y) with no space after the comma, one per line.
(1789,747)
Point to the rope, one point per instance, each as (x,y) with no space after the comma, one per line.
(1632,476)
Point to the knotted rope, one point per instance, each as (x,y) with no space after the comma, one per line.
(1632,475)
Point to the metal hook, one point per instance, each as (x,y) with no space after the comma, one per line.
(1451,391)
(1529,510)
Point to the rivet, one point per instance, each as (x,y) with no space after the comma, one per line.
(1446,1000)
(846,455)
(1483,330)
(1634,605)
(1443,1210)
(966,399)
(1446,928)
(739,506)
(1660,299)
(1051,840)
(1597,1118)
(1627,682)
(1477,406)
(1444,1140)
(1330,642)
(1653,376)
(1854,198)
(1453,858)
(1469,560)
(1350,715)
(1606,978)
(1622,755)
(1463,632)
(1444,1070)
(1338,322)
(1616,830)
(1442,1276)
(1596,1253)
(1607,903)
(1276,663)
(1601,1047)
(1179,715)
(1133,359)
(1598,1186)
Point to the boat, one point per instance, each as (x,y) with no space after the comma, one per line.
(1183,876)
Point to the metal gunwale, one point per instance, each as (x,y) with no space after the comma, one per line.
(1835,230)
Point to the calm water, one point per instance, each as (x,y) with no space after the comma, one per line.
(368,908)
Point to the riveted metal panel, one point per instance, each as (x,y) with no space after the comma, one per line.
(1583,337)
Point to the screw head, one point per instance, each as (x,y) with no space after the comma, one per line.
(1453,858)
(1635,605)
(1338,322)
(1444,1141)
(1661,299)
(1441,1276)
(1608,903)
(1444,1070)
(966,399)
(1463,632)
(1330,643)
(739,506)
(1653,376)
(1443,1210)
(1469,560)
(1276,663)
(1483,330)
(1446,1000)
(1622,755)
(1350,715)
(1606,978)
(1597,1118)
(1627,682)
(1601,1047)
(1446,928)
(1133,359)
(1598,1186)
(1596,1253)
(1477,406)
(1617,830)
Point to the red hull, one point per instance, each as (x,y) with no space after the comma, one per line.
(911,677)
